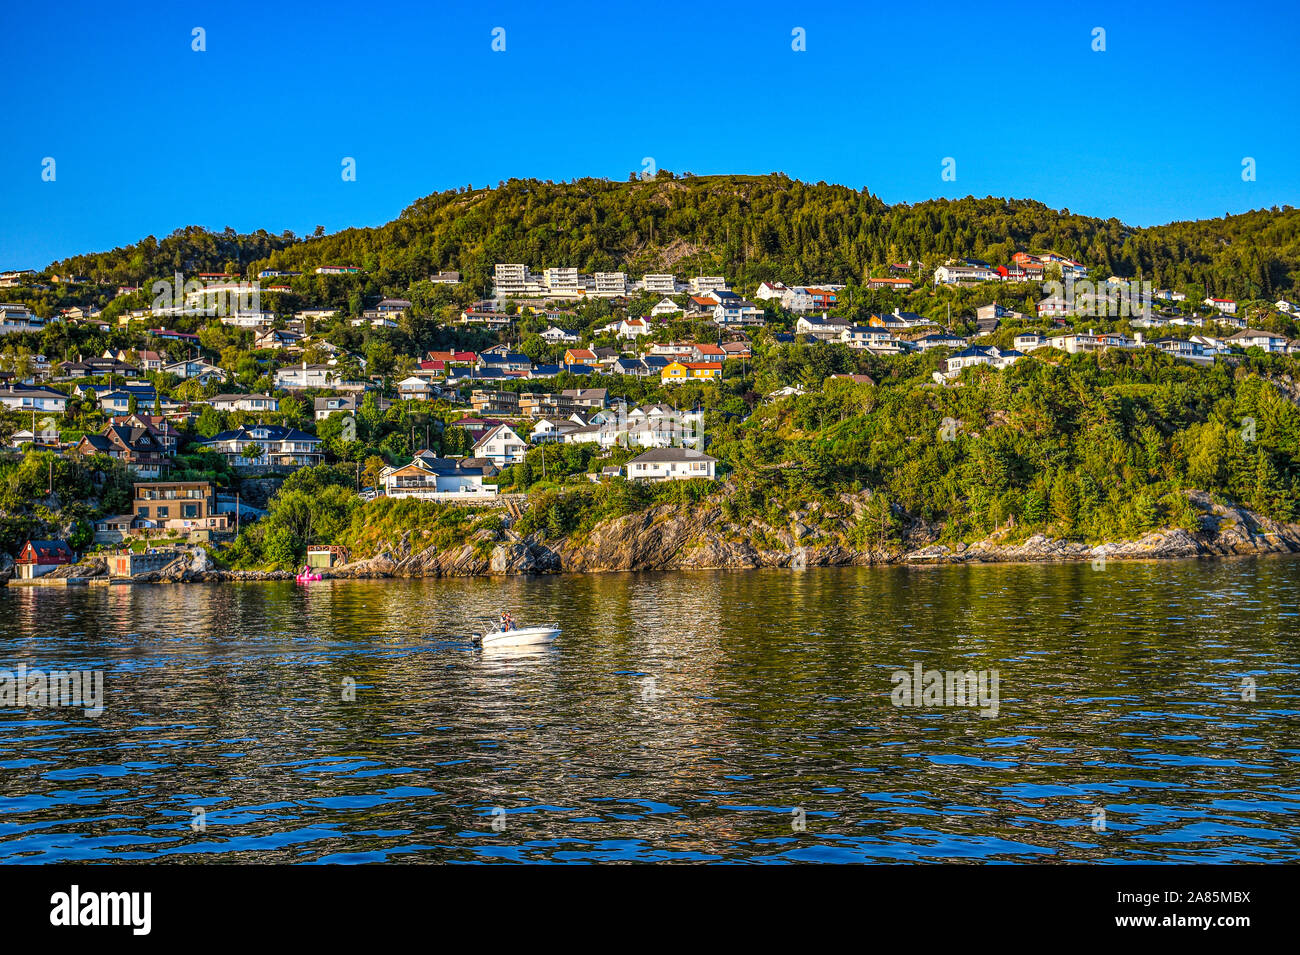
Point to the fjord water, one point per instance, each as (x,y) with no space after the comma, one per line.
(689,716)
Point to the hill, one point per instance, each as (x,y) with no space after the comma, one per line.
(749,228)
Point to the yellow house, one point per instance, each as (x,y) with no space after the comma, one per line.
(679,371)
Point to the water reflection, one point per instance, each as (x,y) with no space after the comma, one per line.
(680,716)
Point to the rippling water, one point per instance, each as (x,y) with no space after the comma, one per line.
(689,716)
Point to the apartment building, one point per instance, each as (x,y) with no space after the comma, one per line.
(610,284)
(660,284)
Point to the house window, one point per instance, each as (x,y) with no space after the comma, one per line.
(163,511)
(190,510)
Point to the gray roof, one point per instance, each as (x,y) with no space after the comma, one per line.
(665,455)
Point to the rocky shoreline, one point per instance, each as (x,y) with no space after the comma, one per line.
(677,537)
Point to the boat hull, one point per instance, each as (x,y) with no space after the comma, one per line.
(524,636)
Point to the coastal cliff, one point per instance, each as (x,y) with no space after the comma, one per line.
(674,537)
(683,536)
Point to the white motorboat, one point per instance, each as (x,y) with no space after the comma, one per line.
(518,636)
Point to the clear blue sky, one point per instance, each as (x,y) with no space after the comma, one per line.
(148,135)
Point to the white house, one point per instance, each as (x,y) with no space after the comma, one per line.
(435,478)
(501,445)
(416,388)
(737,312)
(980,355)
(1225,305)
(960,272)
(304,375)
(659,284)
(248,318)
(270,445)
(828,328)
(671,464)
(1251,338)
(33,398)
(244,403)
(555,335)
(195,368)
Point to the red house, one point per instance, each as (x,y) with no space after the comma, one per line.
(41,557)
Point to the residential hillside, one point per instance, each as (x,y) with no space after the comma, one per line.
(504,378)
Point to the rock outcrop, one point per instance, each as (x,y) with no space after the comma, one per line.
(680,536)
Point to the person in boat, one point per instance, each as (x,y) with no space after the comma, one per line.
(507,621)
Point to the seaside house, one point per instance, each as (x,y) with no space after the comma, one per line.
(671,464)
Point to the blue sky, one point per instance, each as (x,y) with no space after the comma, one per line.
(148,135)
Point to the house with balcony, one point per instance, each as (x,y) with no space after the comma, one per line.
(272,446)
(737,312)
(135,446)
(433,478)
(826,329)
(980,355)
(253,403)
(1252,338)
(302,376)
(188,506)
(501,445)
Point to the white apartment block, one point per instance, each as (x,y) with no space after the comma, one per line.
(610,284)
(565,281)
(660,284)
(708,283)
(247,318)
(956,274)
(510,279)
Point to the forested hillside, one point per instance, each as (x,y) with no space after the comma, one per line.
(749,228)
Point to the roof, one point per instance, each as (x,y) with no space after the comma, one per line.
(236,397)
(275,432)
(49,551)
(1250,333)
(668,455)
(453,466)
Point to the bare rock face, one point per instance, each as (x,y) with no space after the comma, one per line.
(90,567)
(1225,531)
(647,541)
(486,552)
(679,536)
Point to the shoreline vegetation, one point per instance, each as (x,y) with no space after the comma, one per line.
(672,537)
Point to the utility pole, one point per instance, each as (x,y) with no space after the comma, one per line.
(236,513)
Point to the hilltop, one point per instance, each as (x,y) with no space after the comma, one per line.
(750,228)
